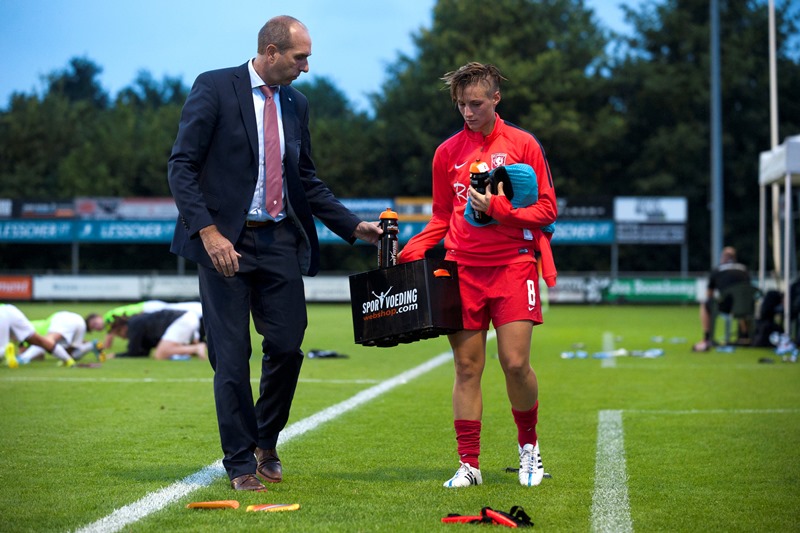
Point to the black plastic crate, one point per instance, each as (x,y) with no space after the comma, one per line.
(405,303)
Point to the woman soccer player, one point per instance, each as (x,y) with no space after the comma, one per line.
(497,266)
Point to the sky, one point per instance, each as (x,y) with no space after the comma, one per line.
(353,41)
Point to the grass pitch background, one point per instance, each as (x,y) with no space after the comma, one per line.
(711,440)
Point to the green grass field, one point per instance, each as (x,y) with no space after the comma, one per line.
(688,442)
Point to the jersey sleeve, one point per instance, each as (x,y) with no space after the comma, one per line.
(543,213)
(435,230)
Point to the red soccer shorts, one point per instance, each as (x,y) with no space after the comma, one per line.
(501,294)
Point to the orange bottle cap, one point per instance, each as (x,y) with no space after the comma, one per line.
(478,167)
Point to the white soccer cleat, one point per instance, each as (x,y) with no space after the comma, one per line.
(465,476)
(531,470)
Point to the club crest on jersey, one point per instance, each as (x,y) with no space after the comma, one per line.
(498,160)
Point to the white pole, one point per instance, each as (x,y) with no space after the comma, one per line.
(787,189)
(762,237)
(773,128)
(787,251)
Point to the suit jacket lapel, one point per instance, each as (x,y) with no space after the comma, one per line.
(244,93)
(289,118)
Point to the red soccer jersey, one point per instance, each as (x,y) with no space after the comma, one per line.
(512,239)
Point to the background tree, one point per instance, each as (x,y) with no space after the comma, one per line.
(35,137)
(552,54)
(546,50)
(39,135)
(343,142)
(661,87)
(631,119)
(78,83)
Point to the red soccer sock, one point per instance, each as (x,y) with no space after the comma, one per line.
(468,436)
(526,424)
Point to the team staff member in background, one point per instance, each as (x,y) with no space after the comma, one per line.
(497,269)
(252,248)
(15,326)
(729,273)
(66,329)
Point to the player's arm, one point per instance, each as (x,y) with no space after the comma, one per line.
(435,230)
(542,213)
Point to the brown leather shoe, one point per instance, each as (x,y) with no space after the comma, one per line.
(248,482)
(269,465)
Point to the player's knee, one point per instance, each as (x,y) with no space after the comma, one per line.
(164,350)
(517,368)
(468,370)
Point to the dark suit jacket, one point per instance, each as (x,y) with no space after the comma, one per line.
(214,167)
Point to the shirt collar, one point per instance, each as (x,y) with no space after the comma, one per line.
(479,137)
(255,79)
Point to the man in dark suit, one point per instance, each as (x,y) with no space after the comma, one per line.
(251,256)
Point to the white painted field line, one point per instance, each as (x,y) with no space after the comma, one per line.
(610,506)
(609,362)
(713,411)
(660,368)
(68,379)
(155,501)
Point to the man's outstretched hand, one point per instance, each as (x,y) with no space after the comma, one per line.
(368,231)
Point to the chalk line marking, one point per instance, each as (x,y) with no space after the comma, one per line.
(653,365)
(155,501)
(609,362)
(68,379)
(610,506)
(713,411)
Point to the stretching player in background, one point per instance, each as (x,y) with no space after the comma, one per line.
(67,329)
(147,306)
(16,328)
(171,332)
(497,264)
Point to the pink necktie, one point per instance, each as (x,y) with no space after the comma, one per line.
(273,188)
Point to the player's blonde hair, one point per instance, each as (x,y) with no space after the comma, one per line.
(470,74)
